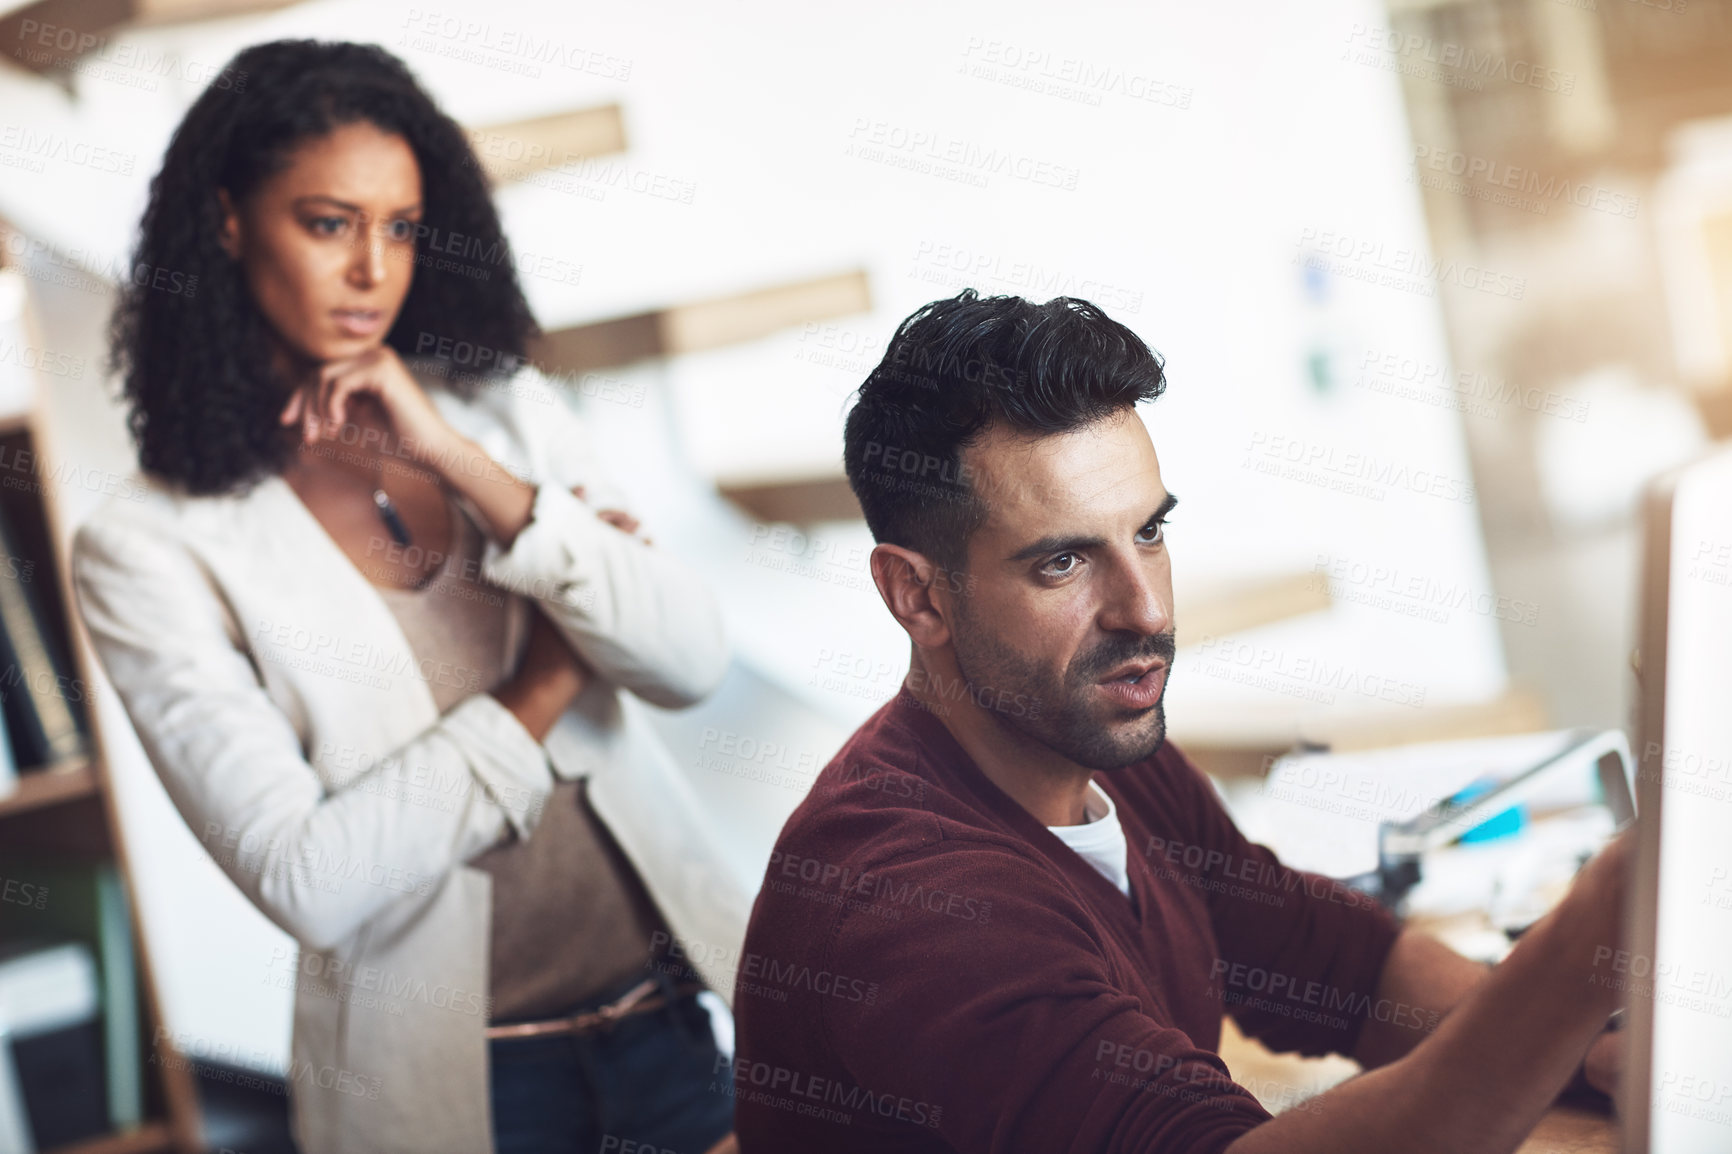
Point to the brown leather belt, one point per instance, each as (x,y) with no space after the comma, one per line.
(637,1000)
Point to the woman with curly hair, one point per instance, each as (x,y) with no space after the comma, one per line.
(383,645)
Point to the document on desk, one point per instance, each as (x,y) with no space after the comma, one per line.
(1322,812)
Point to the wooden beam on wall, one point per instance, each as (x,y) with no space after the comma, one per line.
(798,502)
(729,320)
(29,36)
(512,150)
(1715,408)
(701,325)
(602,345)
(52,35)
(182,11)
(1515,711)
(1247,744)
(1227,611)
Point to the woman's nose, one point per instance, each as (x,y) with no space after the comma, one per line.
(368,267)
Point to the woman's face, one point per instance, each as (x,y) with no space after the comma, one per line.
(327,244)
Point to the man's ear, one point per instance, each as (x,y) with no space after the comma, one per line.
(229,233)
(905,581)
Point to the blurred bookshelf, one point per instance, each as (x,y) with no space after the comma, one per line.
(84,1066)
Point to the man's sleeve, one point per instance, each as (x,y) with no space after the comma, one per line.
(1300,954)
(1001,1025)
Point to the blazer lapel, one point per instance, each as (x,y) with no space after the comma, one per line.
(315,622)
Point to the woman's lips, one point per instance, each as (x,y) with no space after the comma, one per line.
(359,322)
(1139,694)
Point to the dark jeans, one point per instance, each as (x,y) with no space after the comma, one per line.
(649,1085)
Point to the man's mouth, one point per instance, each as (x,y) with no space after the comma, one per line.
(1135,672)
(1136,686)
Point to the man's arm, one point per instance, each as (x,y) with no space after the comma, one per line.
(1417,982)
(1484,1077)
(1427,980)
(998,1011)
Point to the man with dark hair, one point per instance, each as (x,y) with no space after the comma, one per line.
(1009,916)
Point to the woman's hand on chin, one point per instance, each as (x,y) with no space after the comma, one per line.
(324,405)
(333,402)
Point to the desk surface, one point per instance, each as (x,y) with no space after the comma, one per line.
(1569,1130)
(1279,1080)
(1564,1129)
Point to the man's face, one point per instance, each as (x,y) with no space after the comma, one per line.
(1070,599)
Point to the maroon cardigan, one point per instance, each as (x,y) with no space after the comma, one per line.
(929,969)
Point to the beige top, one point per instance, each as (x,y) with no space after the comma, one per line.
(571,919)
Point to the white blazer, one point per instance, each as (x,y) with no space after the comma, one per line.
(286,715)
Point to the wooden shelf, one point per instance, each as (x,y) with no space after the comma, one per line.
(43,787)
(150,1137)
(66,811)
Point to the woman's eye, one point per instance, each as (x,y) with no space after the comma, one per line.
(327,225)
(401,230)
(1152,533)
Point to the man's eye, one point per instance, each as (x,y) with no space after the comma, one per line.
(1061,564)
(1152,533)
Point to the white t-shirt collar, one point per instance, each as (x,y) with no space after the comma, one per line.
(1100,840)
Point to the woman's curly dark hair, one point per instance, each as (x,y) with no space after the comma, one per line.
(186,335)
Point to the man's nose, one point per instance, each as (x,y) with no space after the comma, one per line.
(1139,598)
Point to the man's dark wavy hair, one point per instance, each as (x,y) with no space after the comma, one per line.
(187,337)
(954,369)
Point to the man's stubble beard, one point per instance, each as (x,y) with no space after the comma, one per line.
(1053,710)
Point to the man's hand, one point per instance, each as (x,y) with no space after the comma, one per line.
(1604,1064)
(1499,1058)
(1593,911)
